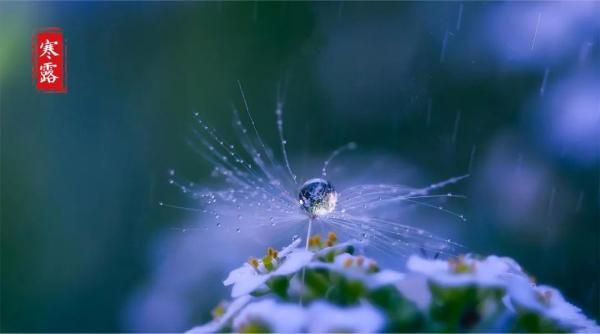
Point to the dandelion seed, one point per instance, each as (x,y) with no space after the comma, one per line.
(265,192)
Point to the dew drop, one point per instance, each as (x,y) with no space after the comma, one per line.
(237,229)
(161,203)
(219,224)
(171,172)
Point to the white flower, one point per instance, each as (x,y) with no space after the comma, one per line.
(278,317)
(217,324)
(549,303)
(324,317)
(247,278)
(319,317)
(361,269)
(492,271)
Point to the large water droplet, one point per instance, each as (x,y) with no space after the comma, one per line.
(317,197)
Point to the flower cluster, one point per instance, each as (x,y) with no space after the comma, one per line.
(328,287)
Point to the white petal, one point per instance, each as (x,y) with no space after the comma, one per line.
(384,277)
(325,317)
(288,249)
(248,284)
(279,317)
(415,288)
(556,307)
(239,274)
(294,262)
(427,267)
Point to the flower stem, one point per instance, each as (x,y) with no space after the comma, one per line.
(310,220)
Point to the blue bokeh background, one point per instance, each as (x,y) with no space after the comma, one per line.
(508,92)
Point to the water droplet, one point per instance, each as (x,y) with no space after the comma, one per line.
(171,181)
(219,224)
(171,172)
(161,203)
(317,197)
(238,229)
(217,216)
(295,237)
